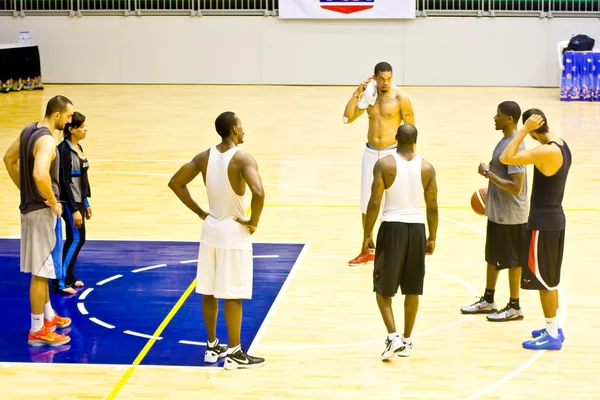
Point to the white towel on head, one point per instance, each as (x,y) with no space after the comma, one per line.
(369,96)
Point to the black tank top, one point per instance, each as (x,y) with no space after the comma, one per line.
(31,198)
(546,212)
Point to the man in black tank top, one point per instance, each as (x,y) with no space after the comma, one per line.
(32,162)
(546,223)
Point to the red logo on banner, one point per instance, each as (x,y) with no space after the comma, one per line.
(347,6)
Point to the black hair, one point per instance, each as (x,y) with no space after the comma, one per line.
(510,109)
(57,104)
(535,111)
(225,122)
(76,121)
(382,67)
(407,134)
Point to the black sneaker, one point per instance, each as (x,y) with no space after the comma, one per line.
(213,353)
(239,359)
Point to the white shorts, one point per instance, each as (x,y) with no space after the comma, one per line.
(370,157)
(224,273)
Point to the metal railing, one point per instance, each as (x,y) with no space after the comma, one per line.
(8,7)
(424,8)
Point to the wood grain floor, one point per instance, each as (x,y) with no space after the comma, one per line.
(325,339)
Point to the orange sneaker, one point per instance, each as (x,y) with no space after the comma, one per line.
(362,259)
(57,322)
(45,337)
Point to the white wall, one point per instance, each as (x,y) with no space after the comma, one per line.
(267,50)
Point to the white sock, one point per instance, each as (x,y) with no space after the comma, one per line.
(37,322)
(406,340)
(212,344)
(234,349)
(391,336)
(552,326)
(49,312)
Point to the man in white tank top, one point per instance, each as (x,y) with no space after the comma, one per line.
(406,179)
(225,266)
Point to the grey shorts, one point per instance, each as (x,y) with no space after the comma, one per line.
(41,243)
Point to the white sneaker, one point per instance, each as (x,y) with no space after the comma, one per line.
(406,349)
(480,307)
(391,347)
(213,353)
(506,314)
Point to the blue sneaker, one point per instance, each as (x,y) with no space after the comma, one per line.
(543,342)
(539,332)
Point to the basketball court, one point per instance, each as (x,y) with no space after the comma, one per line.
(137,327)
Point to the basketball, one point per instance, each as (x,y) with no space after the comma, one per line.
(478,201)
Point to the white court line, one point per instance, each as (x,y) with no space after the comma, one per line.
(192,343)
(310,162)
(133,333)
(116,366)
(311,190)
(82,309)
(265,256)
(101,323)
(275,305)
(85,293)
(439,328)
(112,278)
(135,271)
(508,377)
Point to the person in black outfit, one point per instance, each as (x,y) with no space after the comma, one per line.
(546,223)
(74,192)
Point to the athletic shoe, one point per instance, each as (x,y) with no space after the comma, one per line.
(391,347)
(213,353)
(506,314)
(45,337)
(362,259)
(406,349)
(543,342)
(57,322)
(539,332)
(480,307)
(239,359)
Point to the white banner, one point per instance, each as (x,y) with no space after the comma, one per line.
(347,9)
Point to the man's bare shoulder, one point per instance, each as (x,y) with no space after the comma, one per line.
(243,158)
(400,94)
(427,167)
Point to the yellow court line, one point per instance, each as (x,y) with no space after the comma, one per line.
(150,343)
(349,206)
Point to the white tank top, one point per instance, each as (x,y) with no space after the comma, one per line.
(219,229)
(404,198)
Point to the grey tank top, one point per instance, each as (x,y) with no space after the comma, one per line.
(31,198)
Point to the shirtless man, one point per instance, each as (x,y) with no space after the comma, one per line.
(389,109)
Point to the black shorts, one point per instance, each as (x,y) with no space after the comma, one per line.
(505,245)
(544,260)
(399,259)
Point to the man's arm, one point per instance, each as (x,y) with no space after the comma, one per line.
(185,175)
(11,161)
(252,178)
(406,110)
(43,151)
(513,184)
(537,156)
(377,189)
(352,112)
(430,188)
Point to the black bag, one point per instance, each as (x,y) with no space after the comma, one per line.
(580,43)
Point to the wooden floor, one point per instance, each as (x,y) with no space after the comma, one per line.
(325,339)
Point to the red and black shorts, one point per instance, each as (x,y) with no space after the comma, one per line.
(543,260)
